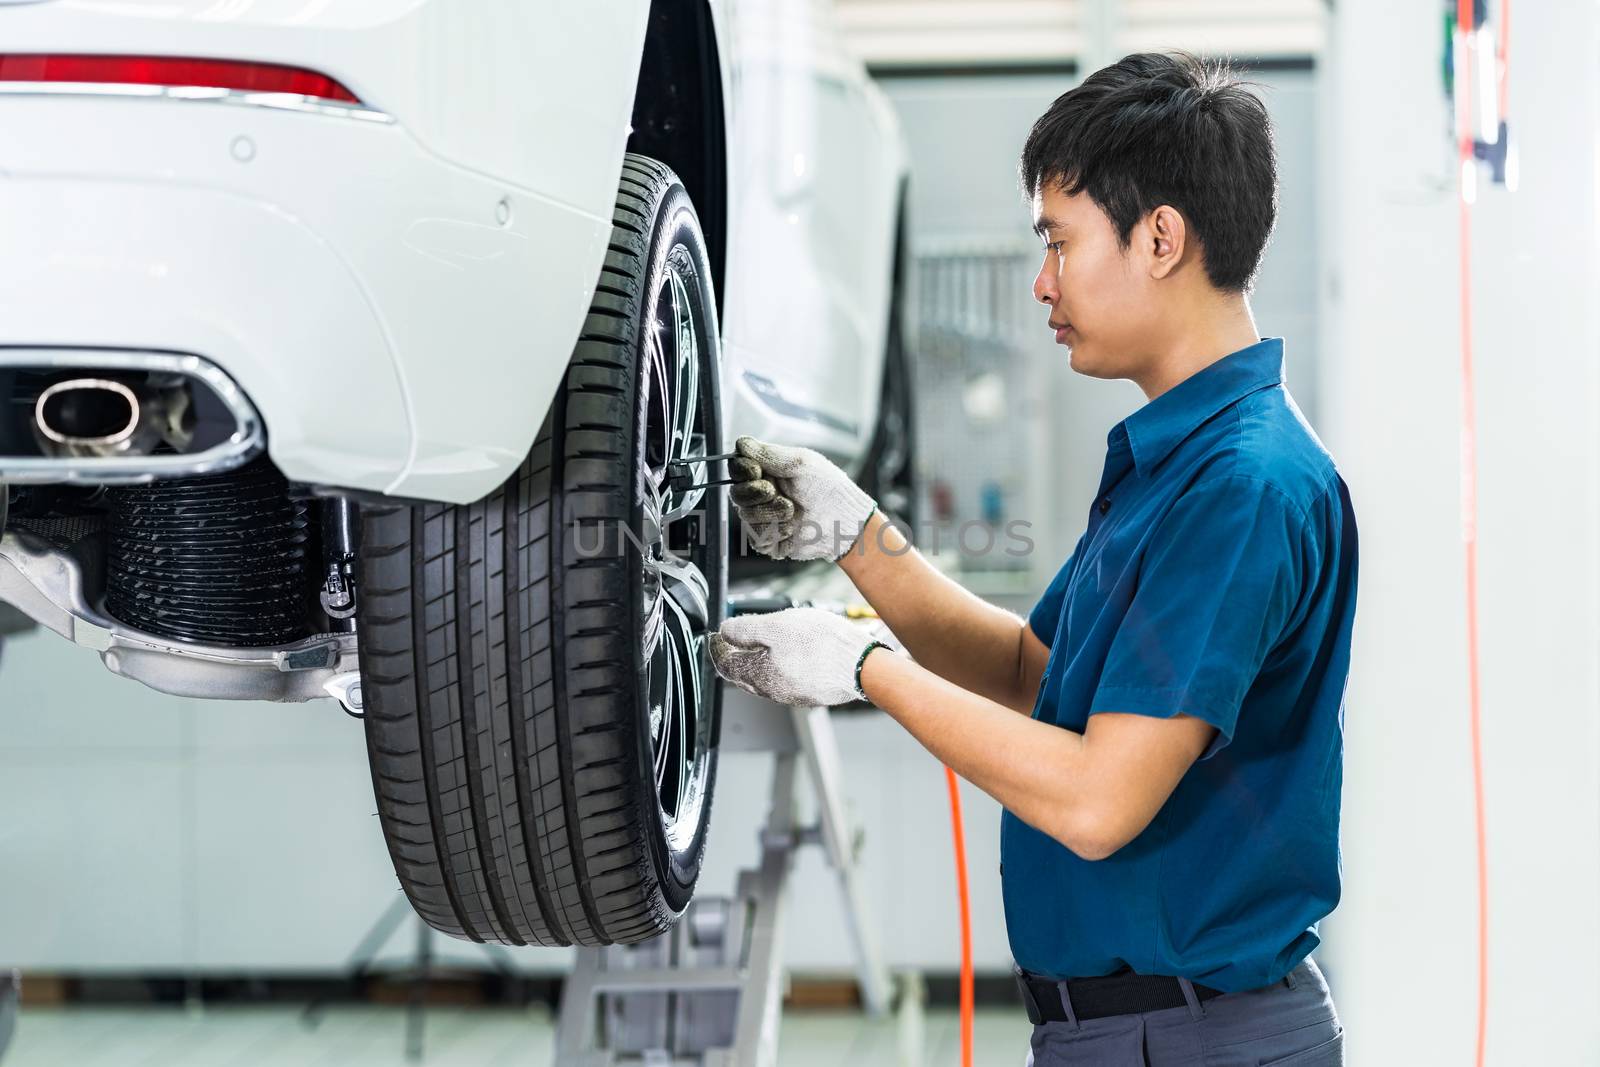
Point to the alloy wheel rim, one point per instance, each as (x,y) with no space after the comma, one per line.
(676,602)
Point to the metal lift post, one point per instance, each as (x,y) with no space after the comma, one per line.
(708,992)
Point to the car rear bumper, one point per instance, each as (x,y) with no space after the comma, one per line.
(401,323)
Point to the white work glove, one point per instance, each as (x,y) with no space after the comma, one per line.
(805,657)
(796,504)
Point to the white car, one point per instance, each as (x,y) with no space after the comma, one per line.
(366,348)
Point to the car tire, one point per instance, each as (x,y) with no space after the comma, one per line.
(540,709)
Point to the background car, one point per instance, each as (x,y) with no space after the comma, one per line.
(368,350)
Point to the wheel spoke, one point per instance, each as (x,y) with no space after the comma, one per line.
(673,642)
(658,423)
(686,693)
(664,713)
(654,520)
(653,628)
(686,384)
(684,403)
(684,587)
(658,683)
(684,645)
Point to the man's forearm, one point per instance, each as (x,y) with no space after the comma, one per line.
(1038,771)
(976,645)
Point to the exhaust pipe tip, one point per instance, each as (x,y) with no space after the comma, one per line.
(120,417)
(88,417)
(107,417)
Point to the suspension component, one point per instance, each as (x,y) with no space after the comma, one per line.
(338,595)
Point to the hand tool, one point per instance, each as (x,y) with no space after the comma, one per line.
(681,480)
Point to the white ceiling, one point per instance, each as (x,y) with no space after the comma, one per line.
(888,33)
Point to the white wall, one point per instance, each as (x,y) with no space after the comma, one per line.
(1404,941)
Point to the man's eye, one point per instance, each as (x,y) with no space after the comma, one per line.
(1053,246)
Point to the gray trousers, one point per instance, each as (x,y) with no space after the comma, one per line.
(1290,1024)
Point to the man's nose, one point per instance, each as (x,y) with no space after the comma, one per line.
(1044,288)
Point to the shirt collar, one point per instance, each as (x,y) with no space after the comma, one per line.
(1162,424)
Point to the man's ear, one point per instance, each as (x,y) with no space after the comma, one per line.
(1166,236)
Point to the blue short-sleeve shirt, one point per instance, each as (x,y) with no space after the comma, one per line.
(1217,578)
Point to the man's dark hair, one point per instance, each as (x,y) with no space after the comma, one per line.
(1166,128)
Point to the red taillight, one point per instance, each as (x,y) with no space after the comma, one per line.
(173,70)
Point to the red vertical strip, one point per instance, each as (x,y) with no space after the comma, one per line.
(966,916)
(1469,513)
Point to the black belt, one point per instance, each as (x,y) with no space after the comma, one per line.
(1119,993)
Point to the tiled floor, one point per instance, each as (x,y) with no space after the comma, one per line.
(366,1036)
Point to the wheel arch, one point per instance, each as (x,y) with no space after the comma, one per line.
(679,115)
(899,345)
(899,268)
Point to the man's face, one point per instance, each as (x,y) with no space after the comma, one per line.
(1098,292)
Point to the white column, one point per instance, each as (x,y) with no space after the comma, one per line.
(1403,944)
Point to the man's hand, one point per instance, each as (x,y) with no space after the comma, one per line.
(796,503)
(805,657)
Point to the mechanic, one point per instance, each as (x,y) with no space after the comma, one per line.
(1171,785)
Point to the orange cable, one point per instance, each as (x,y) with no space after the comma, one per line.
(966,916)
(1469,519)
